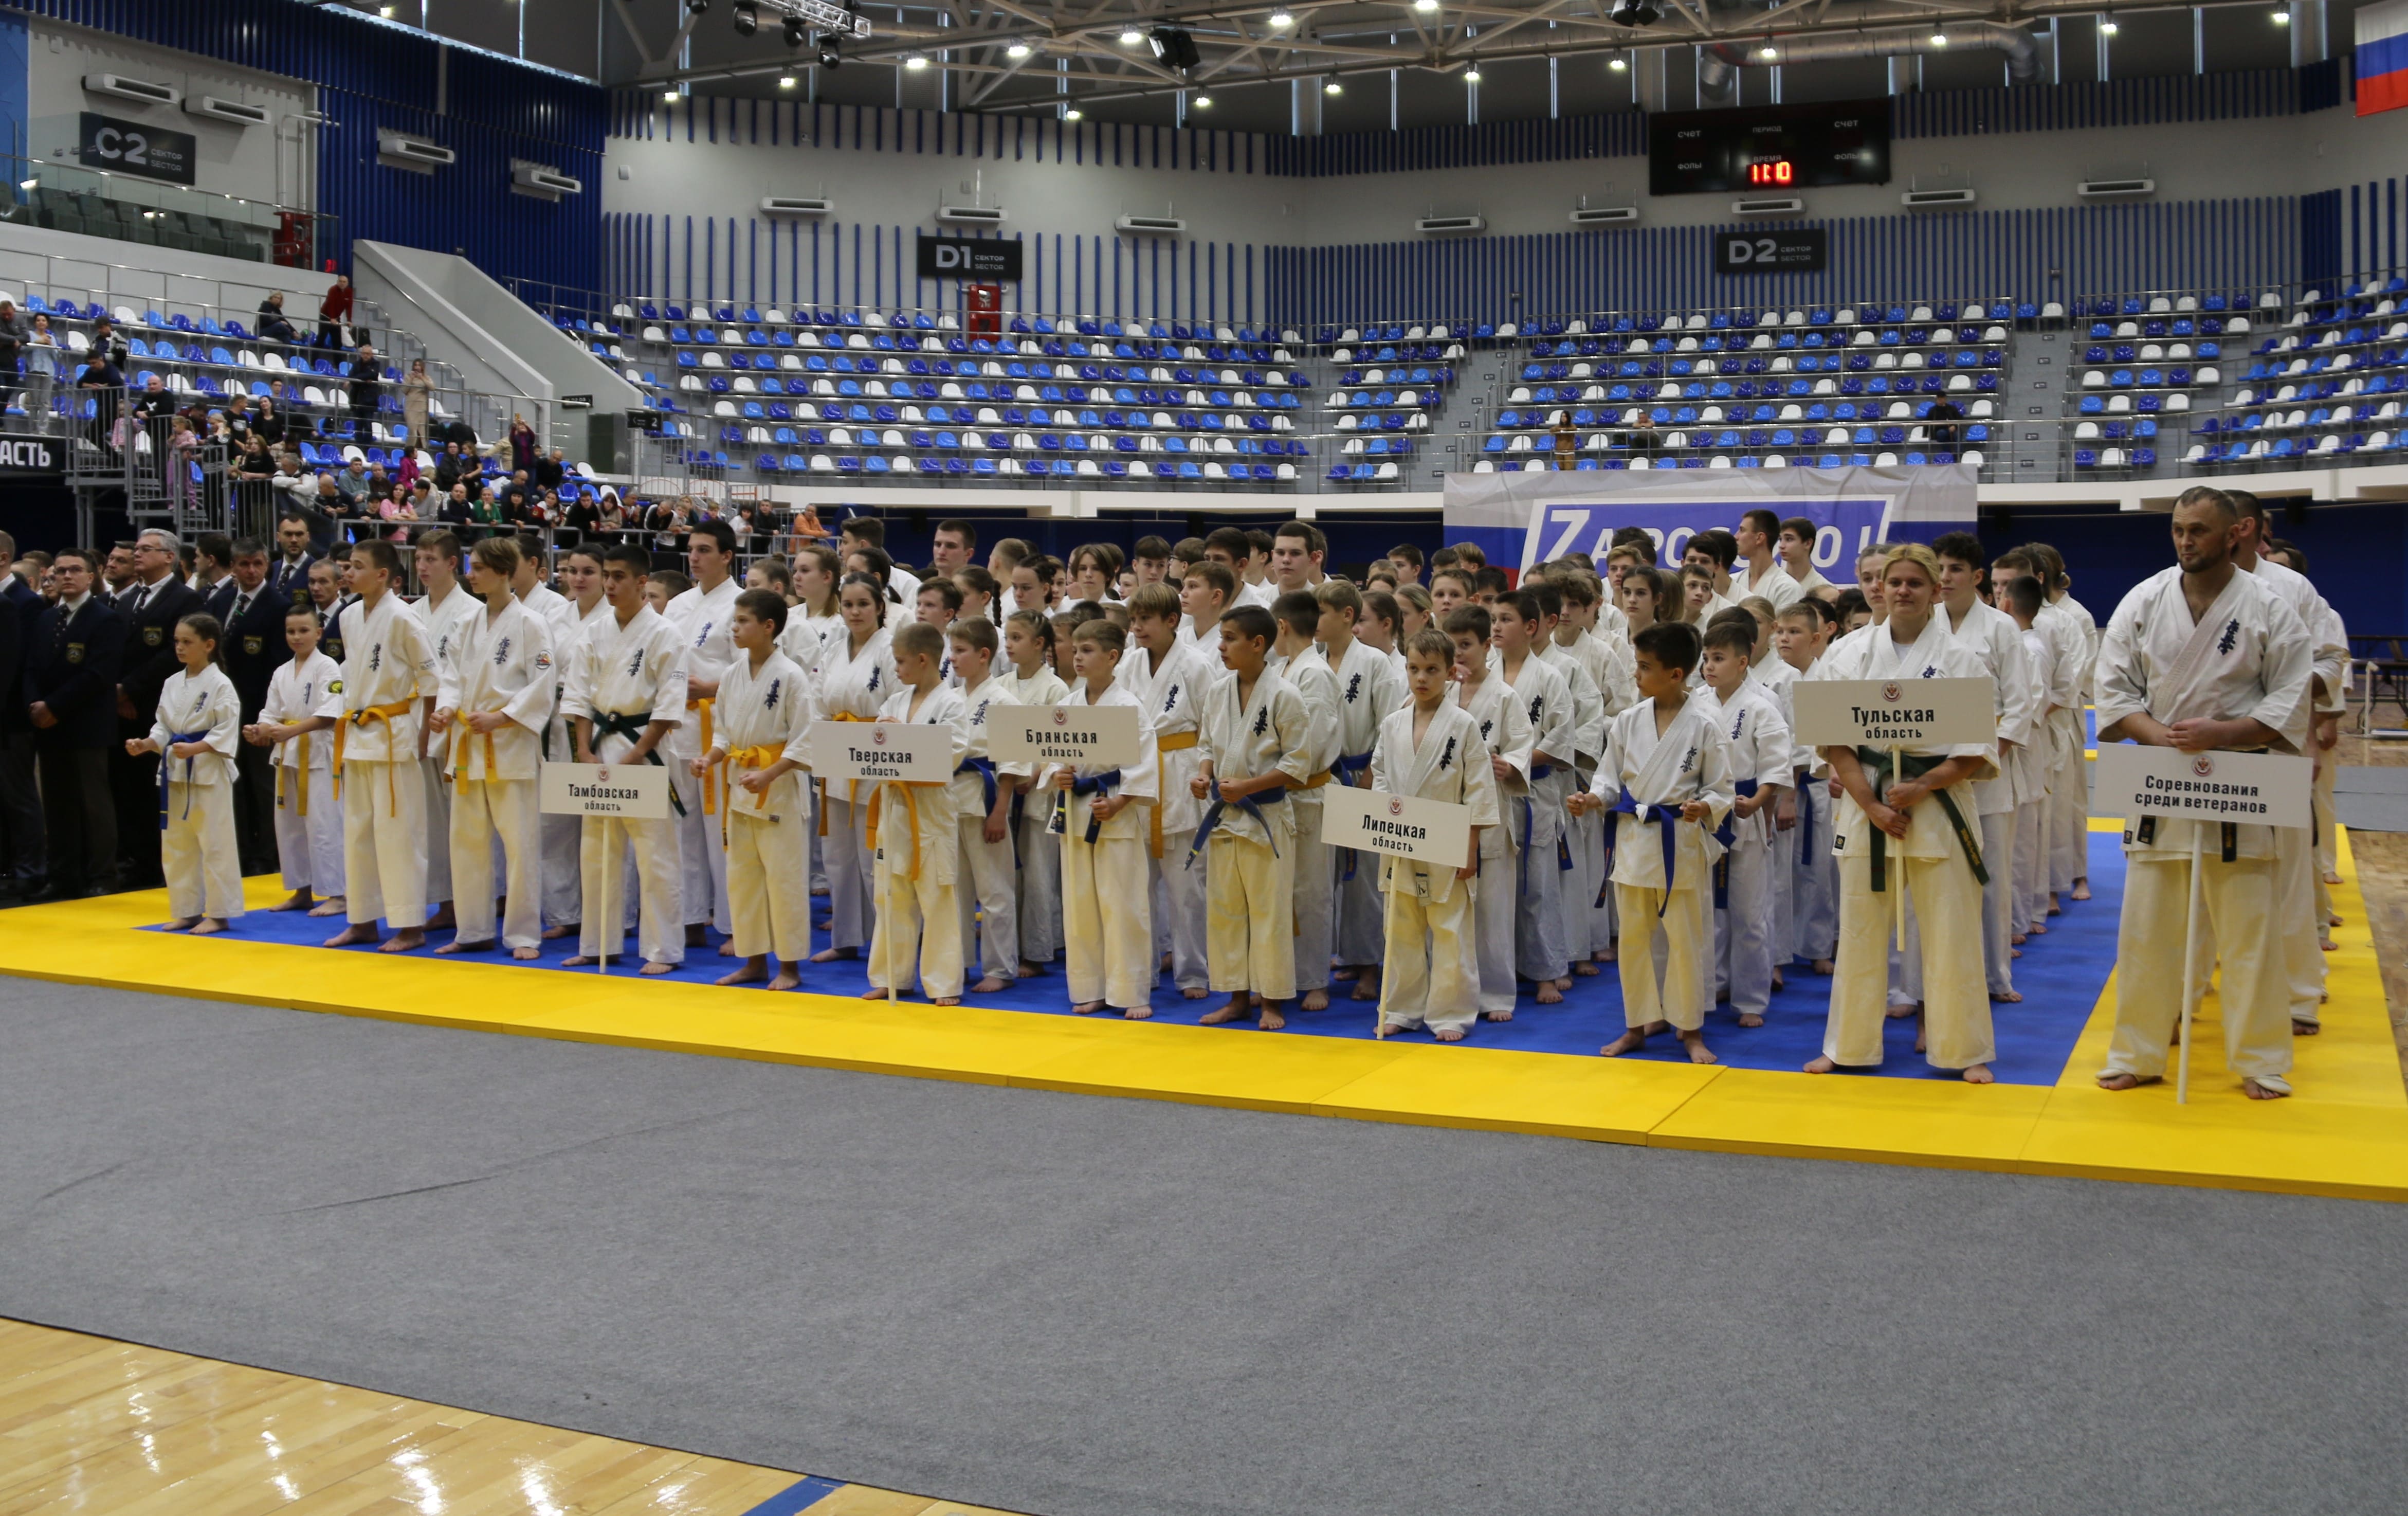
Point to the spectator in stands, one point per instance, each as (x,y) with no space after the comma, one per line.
(329,502)
(551,472)
(458,510)
(104,382)
(581,516)
(354,485)
(486,509)
(451,467)
(41,371)
(152,403)
(267,421)
(12,347)
(669,519)
(515,493)
(614,511)
(367,380)
(334,314)
(253,467)
(417,391)
(105,340)
(396,507)
(524,451)
(1940,423)
(545,509)
(745,521)
(274,327)
(1643,436)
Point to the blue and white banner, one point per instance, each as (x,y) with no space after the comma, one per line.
(1522,518)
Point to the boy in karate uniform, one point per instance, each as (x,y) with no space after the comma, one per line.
(1505,737)
(1168,676)
(1667,770)
(1746,924)
(1606,659)
(1432,749)
(626,693)
(700,615)
(1920,832)
(914,832)
(1798,635)
(983,800)
(2028,766)
(1580,941)
(388,688)
(197,729)
(1539,951)
(563,875)
(2204,658)
(1368,691)
(445,609)
(1107,922)
(309,819)
(496,692)
(760,718)
(1028,642)
(1993,635)
(1255,751)
(1314,878)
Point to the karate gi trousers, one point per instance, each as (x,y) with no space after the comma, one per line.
(768,900)
(1358,908)
(199,853)
(702,857)
(1107,917)
(1585,836)
(2031,868)
(1429,974)
(661,925)
(437,842)
(1956,1003)
(2069,807)
(1999,902)
(1179,911)
(2328,851)
(1492,905)
(309,848)
(1249,892)
(844,844)
(2253,995)
(2296,920)
(1785,897)
(1539,949)
(1744,924)
(384,843)
(990,886)
(484,812)
(1814,890)
(1681,998)
(563,880)
(1313,880)
(917,918)
(1040,917)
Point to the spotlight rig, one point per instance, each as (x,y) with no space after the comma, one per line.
(799,20)
(1172,47)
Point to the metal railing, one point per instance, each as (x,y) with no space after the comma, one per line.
(70,197)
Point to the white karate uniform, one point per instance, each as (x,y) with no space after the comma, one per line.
(991,867)
(2069,792)
(1040,914)
(1249,883)
(1995,638)
(443,624)
(853,686)
(2248,656)
(499,663)
(1430,971)
(2296,879)
(1106,910)
(1504,727)
(916,856)
(2068,663)
(1688,760)
(387,668)
(197,843)
(1608,662)
(2028,769)
(760,716)
(308,818)
(1775,586)
(1314,877)
(564,875)
(635,672)
(1540,949)
(1746,922)
(701,619)
(1815,873)
(1370,688)
(1582,880)
(1172,690)
(1929,859)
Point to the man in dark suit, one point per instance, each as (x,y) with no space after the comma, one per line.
(20,799)
(253,649)
(70,694)
(288,573)
(151,607)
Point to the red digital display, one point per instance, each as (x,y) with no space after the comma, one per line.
(1777,171)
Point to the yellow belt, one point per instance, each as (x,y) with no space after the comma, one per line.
(744,757)
(1317,781)
(374,713)
(911,803)
(300,785)
(710,776)
(852,787)
(460,754)
(1174,742)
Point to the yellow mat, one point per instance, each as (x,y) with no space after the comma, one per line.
(2345,1133)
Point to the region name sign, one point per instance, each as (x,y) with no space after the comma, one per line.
(1075,734)
(2266,789)
(622,791)
(1400,825)
(1894,713)
(883,751)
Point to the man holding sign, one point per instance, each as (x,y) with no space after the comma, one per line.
(1431,750)
(2204,658)
(1907,809)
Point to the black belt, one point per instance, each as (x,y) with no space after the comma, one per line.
(1875,761)
(620,724)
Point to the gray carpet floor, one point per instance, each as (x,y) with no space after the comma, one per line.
(1080,1307)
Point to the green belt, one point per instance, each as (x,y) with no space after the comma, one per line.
(1875,762)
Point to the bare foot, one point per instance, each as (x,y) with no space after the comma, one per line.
(1087,1007)
(1236,1010)
(1027,970)
(1630,1042)
(456,946)
(2265,1088)
(1565,982)
(1751,1020)
(835,954)
(1272,1020)
(1823,967)
(989,985)
(403,942)
(727,949)
(1194,992)
(786,979)
(582,961)
(1898,1012)
(1314,999)
(300,900)
(2054,907)
(2332,878)
(185,924)
(352,936)
(2038,928)
(556,934)
(442,920)
(1696,1043)
(2015,952)
(1448,1033)
(654,970)
(944,1000)
(1606,957)
(1821,1065)
(2328,945)
(2117,1080)
(1584,969)
(1138,1013)
(1548,994)
(752,971)
(2082,889)
(329,907)
(873,992)
(1346,976)
(209,926)
(2306,1029)
(1366,988)
(1497,1016)
(2018,939)
(527,955)
(2007,997)
(1979,1073)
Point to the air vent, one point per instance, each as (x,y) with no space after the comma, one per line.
(1152,225)
(1934,199)
(145,91)
(2109,189)
(1767,208)
(232,112)
(542,181)
(413,152)
(1605,216)
(796,205)
(1451,225)
(971,215)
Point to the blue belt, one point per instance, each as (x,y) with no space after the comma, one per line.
(173,738)
(1563,843)
(1343,769)
(1102,784)
(1250,805)
(1663,816)
(984,769)
(1805,811)
(1727,836)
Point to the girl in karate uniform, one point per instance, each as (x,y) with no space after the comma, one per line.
(1431,748)
(194,730)
(856,674)
(1107,908)
(308,818)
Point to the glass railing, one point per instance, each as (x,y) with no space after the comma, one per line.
(68,197)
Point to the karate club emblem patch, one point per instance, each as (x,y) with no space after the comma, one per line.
(602,773)
(1395,807)
(1889,692)
(2203,766)
(1061,719)
(878,737)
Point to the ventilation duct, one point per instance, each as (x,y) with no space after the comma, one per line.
(1718,65)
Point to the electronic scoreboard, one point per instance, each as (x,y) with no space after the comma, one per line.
(1768,149)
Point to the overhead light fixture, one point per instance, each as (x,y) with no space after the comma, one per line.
(747,17)
(2282,18)
(385,11)
(1332,86)
(1173,48)
(798,32)
(1767,52)
(697,7)
(29,185)
(1635,14)
(915,61)
(785,82)
(831,51)
(1203,102)
(1618,64)
(1425,5)
(1471,75)
(1280,20)
(1019,50)
(1131,37)
(669,96)
(1938,39)
(1073,114)
(2107,27)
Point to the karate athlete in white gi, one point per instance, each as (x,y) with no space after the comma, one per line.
(1028,644)
(1169,674)
(1368,690)
(308,818)
(1994,637)
(195,729)
(1314,867)
(982,801)
(2202,657)
(388,687)
(1664,784)
(1781,816)
(497,694)
(1537,819)
(1746,921)
(580,568)
(445,608)
(1430,748)
(1256,750)
(856,674)
(1920,833)
(915,849)
(1813,881)
(760,719)
(1102,813)
(1581,880)
(626,693)
(1604,656)
(700,615)
(1504,728)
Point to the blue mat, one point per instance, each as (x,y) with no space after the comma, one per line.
(2060,976)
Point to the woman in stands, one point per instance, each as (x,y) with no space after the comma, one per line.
(395,507)
(416,391)
(524,451)
(41,371)
(611,511)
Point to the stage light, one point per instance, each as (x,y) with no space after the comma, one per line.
(1281,19)
(1938,39)
(1203,102)
(670,96)
(1073,114)
(796,32)
(1332,86)
(831,51)
(1172,47)
(2282,18)
(915,61)
(1767,52)
(785,82)
(1471,75)
(2107,27)
(1425,5)
(1131,37)
(747,17)
(1019,50)
(1618,64)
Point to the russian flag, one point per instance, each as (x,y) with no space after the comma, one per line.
(2382,61)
